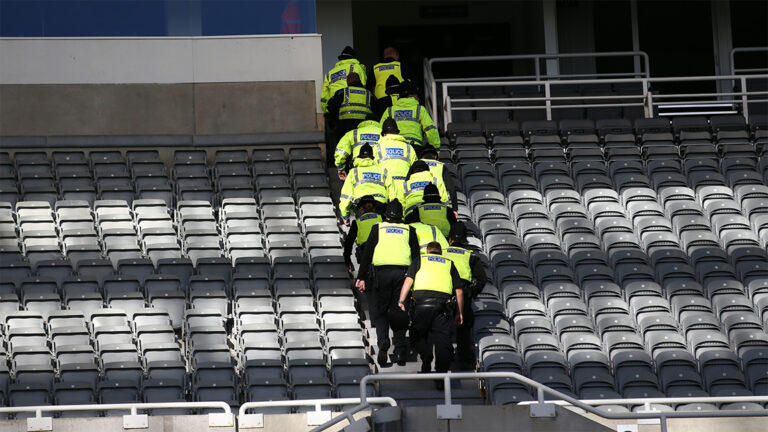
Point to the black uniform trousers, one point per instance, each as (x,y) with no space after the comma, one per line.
(387,283)
(431,330)
(464,338)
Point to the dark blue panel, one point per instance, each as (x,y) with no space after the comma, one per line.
(236,17)
(104,18)
(63,18)
(21,18)
(240,17)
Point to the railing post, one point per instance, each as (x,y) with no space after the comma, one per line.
(541,408)
(448,114)
(134,420)
(744,100)
(448,410)
(647,100)
(38,423)
(318,416)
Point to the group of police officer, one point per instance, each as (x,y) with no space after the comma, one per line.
(400,205)
(349,98)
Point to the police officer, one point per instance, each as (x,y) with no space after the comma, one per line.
(412,119)
(389,251)
(429,155)
(366,178)
(336,78)
(365,218)
(436,283)
(394,153)
(389,67)
(348,148)
(347,109)
(381,104)
(428,234)
(432,211)
(412,191)
(471,270)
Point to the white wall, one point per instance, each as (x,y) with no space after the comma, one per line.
(162,60)
(334,22)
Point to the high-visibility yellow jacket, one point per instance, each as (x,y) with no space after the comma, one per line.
(367,132)
(435,214)
(364,224)
(336,79)
(414,122)
(393,246)
(434,274)
(428,234)
(460,258)
(413,190)
(355,103)
(382,71)
(366,178)
(396,155)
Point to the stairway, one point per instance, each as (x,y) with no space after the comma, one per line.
(422,393)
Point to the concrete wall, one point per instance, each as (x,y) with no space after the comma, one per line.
(160,86)
(190,423)
(334,22)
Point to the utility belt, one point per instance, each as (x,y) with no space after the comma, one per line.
(415,142)
(375,269)
(443,305)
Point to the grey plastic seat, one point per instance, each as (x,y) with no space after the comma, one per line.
(164,390)
(28,395)
(110,392)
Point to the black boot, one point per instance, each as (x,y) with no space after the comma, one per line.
(383,357)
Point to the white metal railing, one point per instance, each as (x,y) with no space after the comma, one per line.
(648,402)
(314,418)
(430,83)
(130,421)
(733,102)
(735,70)
(540,408)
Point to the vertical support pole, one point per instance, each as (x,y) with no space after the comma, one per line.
(722,40)
(447,389)
(550,36)
(547,101)
(636,38)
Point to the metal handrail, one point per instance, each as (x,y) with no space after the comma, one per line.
(214,419)
(541,391)
(430,84)
(743,50)
(650,100)
(317,403)
(316,417)
(646,402)
(38,410)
